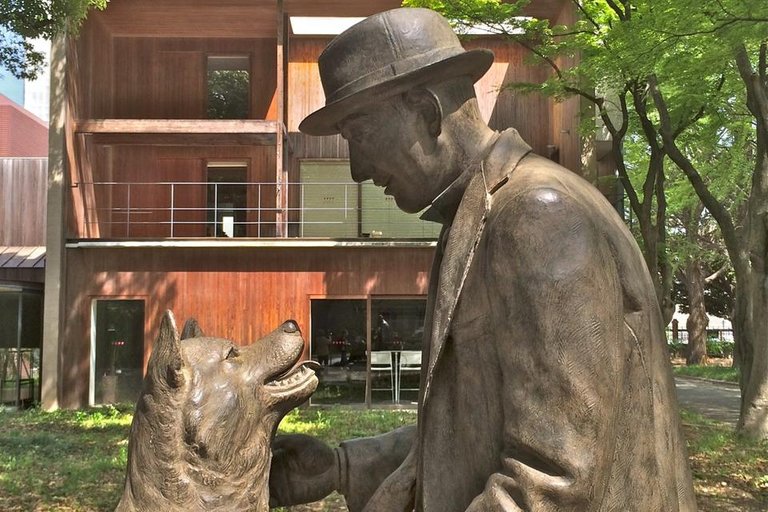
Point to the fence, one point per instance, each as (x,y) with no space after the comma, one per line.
(234,209)
(723,335)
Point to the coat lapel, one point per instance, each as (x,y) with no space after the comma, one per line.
(464,237)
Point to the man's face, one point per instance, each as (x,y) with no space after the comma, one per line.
(387,144)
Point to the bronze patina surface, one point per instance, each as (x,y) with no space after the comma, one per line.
(201,433)
(546,384)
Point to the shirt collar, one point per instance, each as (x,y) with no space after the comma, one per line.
(444,207)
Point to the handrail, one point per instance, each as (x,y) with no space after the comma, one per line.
(183,209)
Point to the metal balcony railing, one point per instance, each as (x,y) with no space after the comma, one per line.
(135,210)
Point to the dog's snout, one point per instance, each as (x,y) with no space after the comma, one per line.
(290,326)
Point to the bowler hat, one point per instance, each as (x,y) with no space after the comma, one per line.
(386,54)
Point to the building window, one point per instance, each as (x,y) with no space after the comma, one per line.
(21,333)
(227,199)
(229,87)
(117,350)
(334,206)
(384,371)
(338,342)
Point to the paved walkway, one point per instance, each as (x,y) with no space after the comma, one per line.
(712,400)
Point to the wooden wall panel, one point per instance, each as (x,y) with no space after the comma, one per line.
(567,114)
(504,108)
(23,187)
(105,214)
(92,65)
(304,97)
(131,65)
(178,87)
(242,18)
(158,78)
(237,293)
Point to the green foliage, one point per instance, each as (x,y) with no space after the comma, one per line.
(676,348)
(66,460)
(724,373)
(719,298)
(228,94)
(729,471)
(719,348)
(335,425)
(686,50)
(21,20)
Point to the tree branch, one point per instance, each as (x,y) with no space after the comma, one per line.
(718,211)
(619,12)
(585,14)
(717,273)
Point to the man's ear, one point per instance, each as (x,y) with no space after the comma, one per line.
(166,363)
(427,104)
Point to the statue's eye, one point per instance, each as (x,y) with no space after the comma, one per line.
(232,353)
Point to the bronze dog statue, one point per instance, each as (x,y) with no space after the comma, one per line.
(201,434)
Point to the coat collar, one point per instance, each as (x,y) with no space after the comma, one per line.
(464,237)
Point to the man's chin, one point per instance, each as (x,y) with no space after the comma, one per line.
(407,207)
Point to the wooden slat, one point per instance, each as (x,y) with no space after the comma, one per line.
(33,257)
(179,132)
(183,139)
(6,254)
(176,126)
(18,259)
(243,18)
(23,187)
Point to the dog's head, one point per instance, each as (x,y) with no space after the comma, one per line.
(209,410)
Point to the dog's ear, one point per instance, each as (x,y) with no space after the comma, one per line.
(191,330)
(166,363)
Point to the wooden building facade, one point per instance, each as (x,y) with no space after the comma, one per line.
(163,197)
(22,260)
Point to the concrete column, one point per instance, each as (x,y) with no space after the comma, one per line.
(55,236)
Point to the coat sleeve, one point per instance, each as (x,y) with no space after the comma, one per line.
(366,463)
(555,299)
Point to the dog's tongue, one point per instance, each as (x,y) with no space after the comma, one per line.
(312,365)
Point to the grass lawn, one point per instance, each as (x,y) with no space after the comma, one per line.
(75,460)
(714,372)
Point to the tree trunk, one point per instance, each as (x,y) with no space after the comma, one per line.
(697,322)
(753,341)
(751,329)
(747,248)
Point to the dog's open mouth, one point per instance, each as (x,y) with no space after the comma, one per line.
(294,380)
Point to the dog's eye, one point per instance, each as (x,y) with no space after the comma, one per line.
(233,352)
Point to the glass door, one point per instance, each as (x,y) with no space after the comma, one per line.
(117,351)
(369,350)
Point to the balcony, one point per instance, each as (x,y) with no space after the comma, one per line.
(240,209)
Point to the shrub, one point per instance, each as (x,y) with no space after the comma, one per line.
(719,348)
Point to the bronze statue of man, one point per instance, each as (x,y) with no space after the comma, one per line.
(546,383)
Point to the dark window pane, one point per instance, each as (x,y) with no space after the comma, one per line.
(9,319)
(398,328)
(119,350)
(227,200)
(32,320)
(20,350)
(338,343)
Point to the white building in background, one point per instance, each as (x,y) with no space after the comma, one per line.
(33,95)
(722,325)
(37,93)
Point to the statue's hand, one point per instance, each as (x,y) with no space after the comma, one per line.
(304,470)
(398,491)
